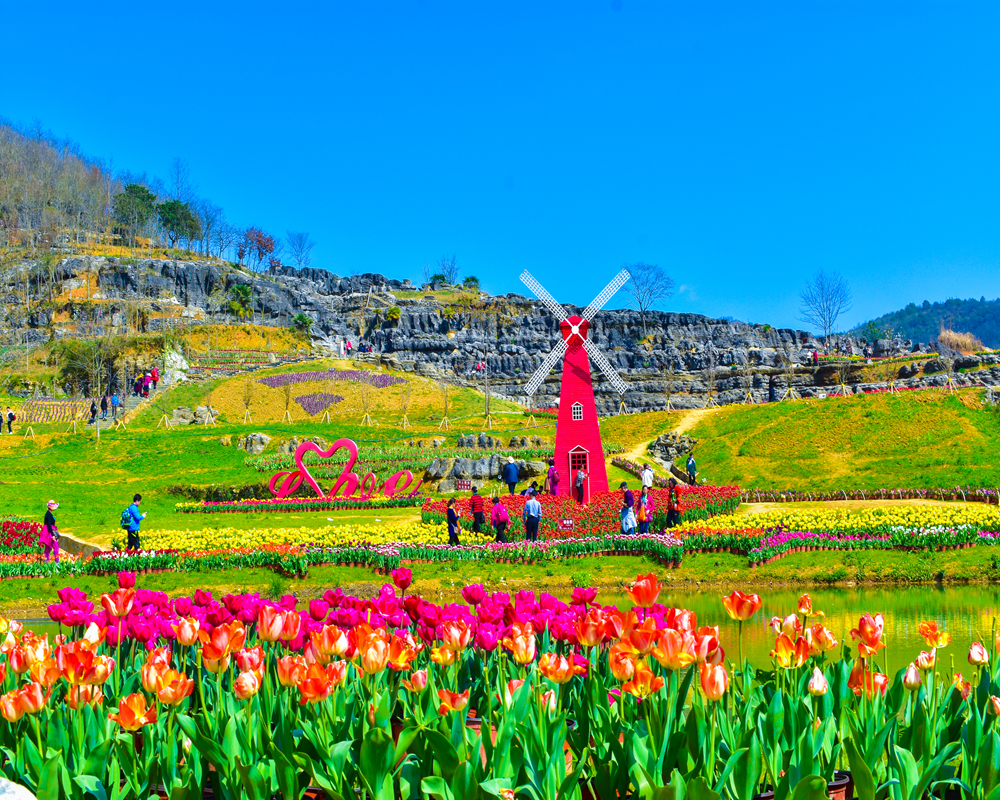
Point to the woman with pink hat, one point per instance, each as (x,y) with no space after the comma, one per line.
(49,537)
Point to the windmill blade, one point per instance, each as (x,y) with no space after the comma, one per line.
(548,300)
(605,366)
(543,371)
(609,291)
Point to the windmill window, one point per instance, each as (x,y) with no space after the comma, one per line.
(577,412)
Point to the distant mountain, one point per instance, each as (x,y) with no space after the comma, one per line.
(923,323)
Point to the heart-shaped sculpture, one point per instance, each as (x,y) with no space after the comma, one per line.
(290,481)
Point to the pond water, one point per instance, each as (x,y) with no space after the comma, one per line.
(968,613)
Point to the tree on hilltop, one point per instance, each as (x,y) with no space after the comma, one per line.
(179,221)
(133,208)
(449,268)
(648,286)
(824,299)
(300,246)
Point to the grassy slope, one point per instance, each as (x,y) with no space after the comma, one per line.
(918,439)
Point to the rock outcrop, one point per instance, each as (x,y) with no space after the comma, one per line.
(253,443)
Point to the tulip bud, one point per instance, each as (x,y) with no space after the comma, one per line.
(247,685)
(911,678)
(187,744)
(978,656)
(818,685)
(926,660)
(994,705)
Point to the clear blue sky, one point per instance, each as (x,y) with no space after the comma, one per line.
(742,146)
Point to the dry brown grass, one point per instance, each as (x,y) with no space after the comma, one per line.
(962,342)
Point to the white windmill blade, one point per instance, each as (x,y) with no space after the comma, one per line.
(543,371)
(609,291)
(550,302)
(605,366)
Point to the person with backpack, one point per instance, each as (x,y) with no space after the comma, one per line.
(131,519)
(510,474)
(49,537)
(476,507)
(645,512)
(104,406)
(627,514)
(500,519)
(553,478)
(11,418)
(155,377)
(93,413)
(114,405)
(453,525)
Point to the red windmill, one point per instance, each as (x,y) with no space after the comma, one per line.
(578,436)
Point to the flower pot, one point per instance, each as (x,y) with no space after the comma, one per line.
(841,787)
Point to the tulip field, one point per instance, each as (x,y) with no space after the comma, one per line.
(503,695)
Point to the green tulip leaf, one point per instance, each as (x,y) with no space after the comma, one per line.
(864,782)
(811,787)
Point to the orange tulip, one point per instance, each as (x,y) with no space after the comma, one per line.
(590,629)
(152,675)
(18,660)
(455,634)
(788,654)
(962,685)
(645,636)
(622,665)
(676,650)
(869,634)
(556,668)
(3,672)
(337,673)
(443,656)
(222,641)
(994,705)
(247,684)
(291,624)
(510,689)
(94,636)
(291,670)
(215,665)
(451,701)
(315,685)
(618,625)
(820,639)
(714,681)
(251,660)
(401,654)
(925,661)
(186,630)
(31,698)
(681,619)
(818,685)
(10,708)
(160,656)
(978,656)
(45,672)
(79,665)
(522,648)
(174,687)
(270,621)
(741,606)
(806,607)
(132,712)
(374,656)
(119,602)
(863,679)
(36,648)
(81,695)
(362,634)
(417,681)
(332,641)
(791,626)
(643,682)
(934,637)
(645,590)
(707,649)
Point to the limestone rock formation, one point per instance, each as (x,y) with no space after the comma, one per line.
(253,443)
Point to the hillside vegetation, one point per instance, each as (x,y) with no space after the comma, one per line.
(924,322)
(914,440)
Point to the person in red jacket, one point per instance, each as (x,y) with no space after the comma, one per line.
(476,507)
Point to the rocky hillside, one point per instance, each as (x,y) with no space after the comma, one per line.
(412,331)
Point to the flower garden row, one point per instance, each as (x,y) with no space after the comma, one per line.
(834,358)
(376,379)
(964,494)
(297,504)
(521,697)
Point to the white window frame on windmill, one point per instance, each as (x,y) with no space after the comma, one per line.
(572,472)
(577,409)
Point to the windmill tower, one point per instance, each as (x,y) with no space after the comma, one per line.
(578,437)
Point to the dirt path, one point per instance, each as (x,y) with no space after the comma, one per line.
(683,422)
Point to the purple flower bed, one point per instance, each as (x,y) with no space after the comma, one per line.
(314,403)
(377,380)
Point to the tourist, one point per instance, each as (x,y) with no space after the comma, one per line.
(581,476)
(771,389)
(453,516)
(93,413)
(10,416)
(476,507)
(155,376)
(104,406)
(628,515)
(137,386)
(645,510)
(532,516)
(510,474)
(692,468)
(533,489)
(134,519)
(348,348)
(49,537)
(673,505)
(647,476)
(114,405)
(553,478)
(146,381)
(500,519)
(815,358)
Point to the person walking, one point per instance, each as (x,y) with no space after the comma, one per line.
(453,525)
(10,416)
(553,478)
(349,348)
(581,476)
(692,468)
(114,405)
(500,519)
(510,474)
(645,510)
(155,376)
(772,389)
(93,413)
(532,516)
(146,381)
(647,476)
(673,505)
(49,536)
(104,406)
(627,514)
(135,518)
(476,507)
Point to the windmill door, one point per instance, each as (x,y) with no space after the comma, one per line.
(579,459)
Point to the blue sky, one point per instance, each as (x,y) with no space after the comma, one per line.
(742,146)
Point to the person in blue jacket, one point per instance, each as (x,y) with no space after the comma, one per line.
(510,474)
(133,527)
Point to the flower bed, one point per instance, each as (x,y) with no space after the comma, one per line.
(289,505)
(601,516)
(967,494)
(19,535)
(376,379)
(312,404)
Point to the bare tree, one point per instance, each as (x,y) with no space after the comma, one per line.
(824,299)
(668,383)
(300,246)
(179,180)
(449,268)
(427,270)
(94,359)
(248,392)
(649,285)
